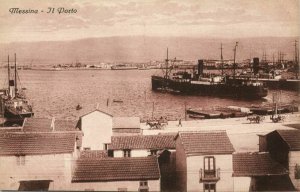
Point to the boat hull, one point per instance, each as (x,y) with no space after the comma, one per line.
(9,114)
(210,89)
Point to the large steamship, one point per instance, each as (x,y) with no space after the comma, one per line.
(198,84)
(14,104)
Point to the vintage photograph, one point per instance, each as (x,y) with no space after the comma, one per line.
(149,95)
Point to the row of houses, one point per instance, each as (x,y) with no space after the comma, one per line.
(105,153)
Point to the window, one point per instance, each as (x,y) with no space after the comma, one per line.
(143,183)
(209,187)
(209,167)
(127,153)
(105,146)
(110,153)
(20,159)
(153,152)
(143,186)
(297,171)
(86,148)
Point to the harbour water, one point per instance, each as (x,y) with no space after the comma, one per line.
(121,93)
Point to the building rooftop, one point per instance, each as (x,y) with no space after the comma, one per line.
(291,137)
(205,142)
(256,164)
(36,143)
(143,142)
(48,125)
(37,124)
(126,123)
(65,125)
(93,154)
(10,129)
(116,169)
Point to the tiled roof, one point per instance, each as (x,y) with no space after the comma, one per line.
(143,142)
(84,112)
(65,125)
(291,137)
(10,129)
(36,143)
(93,154)
(256,164)
(116,169)
(45,125)
(213,142)
(127,130)
(37,124)
(126,122)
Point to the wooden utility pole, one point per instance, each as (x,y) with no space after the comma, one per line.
(16,88)
(152,110)
(222,63)
(185,111)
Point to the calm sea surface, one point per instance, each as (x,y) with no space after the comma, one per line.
(56,94)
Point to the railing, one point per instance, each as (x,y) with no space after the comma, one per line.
(209,175)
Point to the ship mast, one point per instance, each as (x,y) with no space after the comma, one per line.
(16,89)
(222,63)
(8,70)
(296,59)
(234,65)
(167,63)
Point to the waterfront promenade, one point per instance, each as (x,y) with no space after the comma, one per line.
(243,134)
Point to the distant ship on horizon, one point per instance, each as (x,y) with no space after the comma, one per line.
(123,67)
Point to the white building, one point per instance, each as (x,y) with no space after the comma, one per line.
(204,161)
(97,129)
(36,161)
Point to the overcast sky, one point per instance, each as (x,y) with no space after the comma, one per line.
(102,18)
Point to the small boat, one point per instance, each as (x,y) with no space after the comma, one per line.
(78,107)
(194,116)
(117,101)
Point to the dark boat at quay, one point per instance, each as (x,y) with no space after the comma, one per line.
(14,103)
(197,83)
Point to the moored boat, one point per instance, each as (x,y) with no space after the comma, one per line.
(14,102)
(197,84)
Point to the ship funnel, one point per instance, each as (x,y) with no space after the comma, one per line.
(255,65)
(200,67)
(12,92)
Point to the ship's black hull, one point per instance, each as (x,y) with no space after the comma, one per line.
(16,118)
(284,84)
(218,89)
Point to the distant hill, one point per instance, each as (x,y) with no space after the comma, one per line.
(144,49)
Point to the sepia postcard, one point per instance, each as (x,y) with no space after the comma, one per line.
(149,95)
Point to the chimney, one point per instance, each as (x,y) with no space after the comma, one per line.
(12,93)
(200,67)
(255,65)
